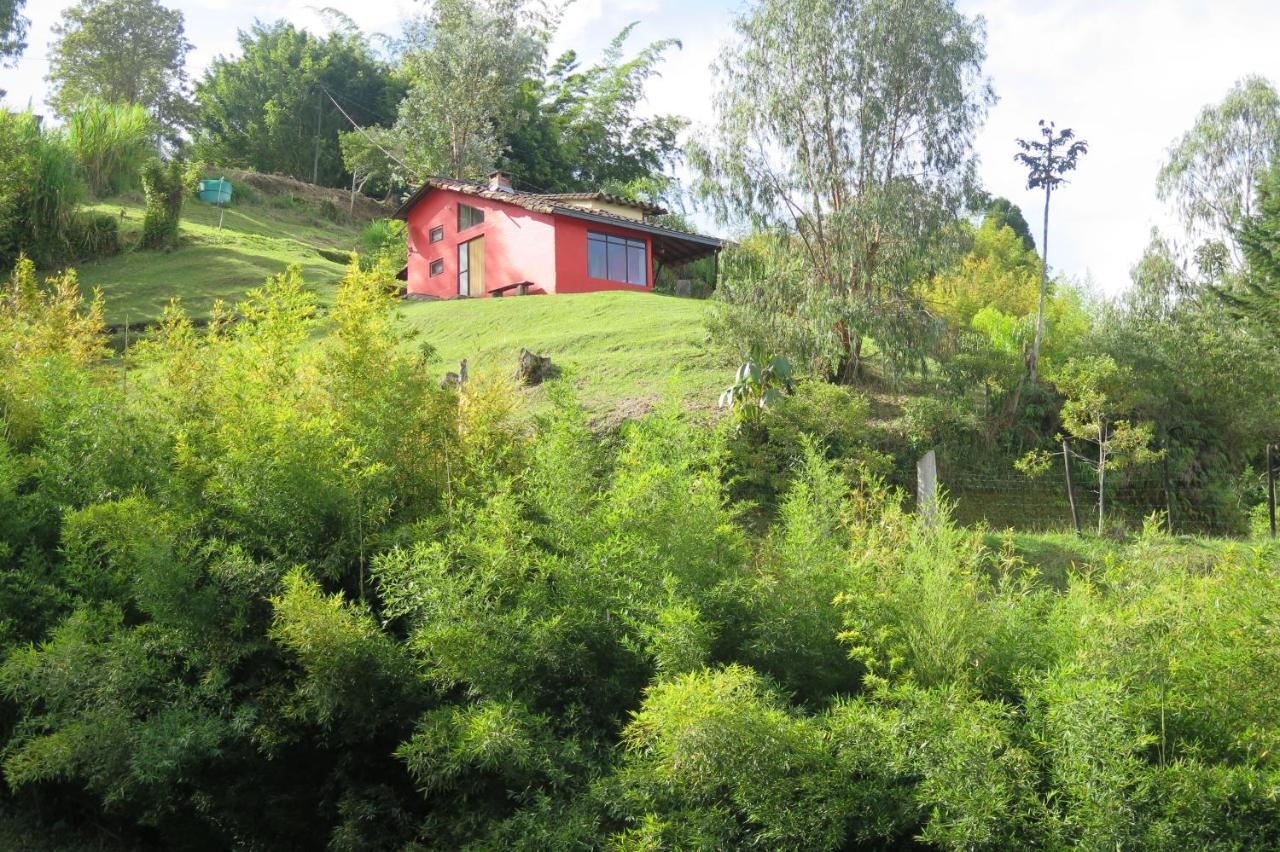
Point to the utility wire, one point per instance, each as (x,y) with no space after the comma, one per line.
(365,133)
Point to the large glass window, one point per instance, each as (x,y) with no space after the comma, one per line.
(464,269)
(617,258)
(471,267)
(468,216)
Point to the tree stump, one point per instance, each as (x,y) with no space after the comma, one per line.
(534,369)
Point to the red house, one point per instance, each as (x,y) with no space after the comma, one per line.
(468,239)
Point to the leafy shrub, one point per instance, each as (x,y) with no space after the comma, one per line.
(166,185)
(287,592)
(384,241)
(763,459)
(94,235)
(111,143)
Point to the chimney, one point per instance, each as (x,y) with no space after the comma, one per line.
(499,182)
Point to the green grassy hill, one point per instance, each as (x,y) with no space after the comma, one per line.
(281,222)
(621,351)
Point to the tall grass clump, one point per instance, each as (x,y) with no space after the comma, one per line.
(40,191)
(111,143)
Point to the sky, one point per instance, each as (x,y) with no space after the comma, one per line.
(1129,76)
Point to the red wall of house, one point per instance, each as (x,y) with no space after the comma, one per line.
(571,257)
(520,245)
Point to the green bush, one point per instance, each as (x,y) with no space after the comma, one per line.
(287,592)
(384,241)
(94,235)
(764,456)
(166,185)
(111,142)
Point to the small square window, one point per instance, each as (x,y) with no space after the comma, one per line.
(437,266)
(469,216)
(437,233)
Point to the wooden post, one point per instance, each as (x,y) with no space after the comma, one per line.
(927,488)
(1168,488)
(1071,493)
(1271,489)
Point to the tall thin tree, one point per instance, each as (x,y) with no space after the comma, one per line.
(1047,161)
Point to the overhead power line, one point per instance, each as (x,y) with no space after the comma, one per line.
(364,132)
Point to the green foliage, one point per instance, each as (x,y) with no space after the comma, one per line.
(577,129)
(40,192)
(13,29)
(764,452)
(465,60)
(122,52)
(1255,300)
(760,383)
(268,108)
(111,143)
(869,184)
(1098,391)
(166,185)
(1003,213)
(268,585)
(384,241)
(1214,168)
(94,236)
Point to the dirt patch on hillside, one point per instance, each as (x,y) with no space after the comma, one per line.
(274,186)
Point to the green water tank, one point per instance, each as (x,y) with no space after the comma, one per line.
(215,191)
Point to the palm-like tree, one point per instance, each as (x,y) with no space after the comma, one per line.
(1047,161)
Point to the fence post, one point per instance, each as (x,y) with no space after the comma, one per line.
(1168,488)
(1071,492)
(1271,489)
(927,488)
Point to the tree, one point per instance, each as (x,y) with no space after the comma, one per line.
(1257,298)
(580,131)
(466,60)
(1212,171)
(122,51)
(1045,170)
(369,154)
(1096,388)
(851,125)
(275,108)
(1005,213)
(13,30)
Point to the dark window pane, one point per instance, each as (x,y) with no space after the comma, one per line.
(597,267)
(468,216)
(617,260)
(437,266)
(635,264)
(437,234)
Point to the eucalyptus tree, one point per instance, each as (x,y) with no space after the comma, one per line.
(849,124)
(1047,162)
(465,60)
(1213,170)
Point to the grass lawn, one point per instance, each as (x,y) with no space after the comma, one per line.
(1058,554)
(255,241)
(621,351)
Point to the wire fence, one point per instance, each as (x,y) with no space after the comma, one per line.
(1130,499)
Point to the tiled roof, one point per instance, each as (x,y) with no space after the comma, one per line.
(539,202)
(621,201)
(555,203)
